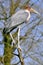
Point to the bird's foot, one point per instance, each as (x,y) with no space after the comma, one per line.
(19,48)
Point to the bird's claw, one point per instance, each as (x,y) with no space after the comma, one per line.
(19,48)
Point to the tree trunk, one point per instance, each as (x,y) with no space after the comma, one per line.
(7,50)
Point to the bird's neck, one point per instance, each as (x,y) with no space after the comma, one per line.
(28,14)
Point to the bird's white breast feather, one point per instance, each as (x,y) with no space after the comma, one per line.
(28,14)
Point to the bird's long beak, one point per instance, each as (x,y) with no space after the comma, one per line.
(34,11)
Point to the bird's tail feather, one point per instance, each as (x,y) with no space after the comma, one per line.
(8,30)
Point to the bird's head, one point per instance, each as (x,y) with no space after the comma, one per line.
(31,10)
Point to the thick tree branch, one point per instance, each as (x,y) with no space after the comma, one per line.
(20,57)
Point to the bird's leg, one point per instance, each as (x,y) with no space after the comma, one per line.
(12,39)
(19,37)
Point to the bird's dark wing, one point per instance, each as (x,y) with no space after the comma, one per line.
(8,30)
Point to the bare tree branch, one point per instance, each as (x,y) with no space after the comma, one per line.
(13,6)
(20,57)
(23,5)
(3,10)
